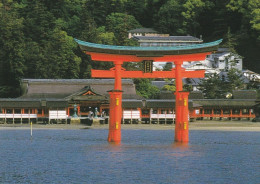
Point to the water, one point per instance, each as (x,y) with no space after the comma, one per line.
(144,156)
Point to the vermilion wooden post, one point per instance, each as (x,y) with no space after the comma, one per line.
(185,118)
(181,106)
(182,117)
(115,114)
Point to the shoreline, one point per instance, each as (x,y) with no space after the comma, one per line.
(199,125)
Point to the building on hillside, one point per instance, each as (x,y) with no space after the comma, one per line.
(141,32)
(252,76)
(159,40)
(222,60)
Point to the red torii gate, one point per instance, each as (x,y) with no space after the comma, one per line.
(120,54)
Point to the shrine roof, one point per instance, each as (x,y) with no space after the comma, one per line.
(32,103)
(149,51)
(220,103)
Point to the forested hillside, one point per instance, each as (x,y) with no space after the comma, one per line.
(36,36)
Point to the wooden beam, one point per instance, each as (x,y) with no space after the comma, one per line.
(141,74)
(133,58)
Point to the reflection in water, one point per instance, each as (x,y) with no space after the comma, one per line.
(180,145)
(143,156)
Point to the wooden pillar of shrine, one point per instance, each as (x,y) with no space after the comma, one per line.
(115,107)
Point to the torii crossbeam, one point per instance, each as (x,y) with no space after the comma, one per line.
(147,55)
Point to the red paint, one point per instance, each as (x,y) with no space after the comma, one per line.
(140,74)
(134,58)
(182,112)
(115,116)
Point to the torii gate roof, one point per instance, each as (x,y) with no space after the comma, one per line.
(149,51)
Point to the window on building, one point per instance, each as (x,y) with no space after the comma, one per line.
(145,111)
(226,111)
(39,111)
(27,111)
(245,111)
(17,111)
(84,109)
(207,111)
(235,111)
(217,111)
(154,112)
(163,111)
(9,111)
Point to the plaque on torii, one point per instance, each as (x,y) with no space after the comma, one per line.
(120,54)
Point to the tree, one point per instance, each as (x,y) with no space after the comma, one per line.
(212,87)
(234,80)
(145,89)
(136,8)
(12,43)
(167,66)
(169,87)
(169,18)
(248,32)
(180,17)
(103,37)
(119,24)
(230,41)
(191,12)
(100,9)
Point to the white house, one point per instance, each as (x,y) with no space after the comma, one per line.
(224,60)
(141,32)
(221,60)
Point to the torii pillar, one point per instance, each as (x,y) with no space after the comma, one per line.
(115,107)
(181,108)
(120,54)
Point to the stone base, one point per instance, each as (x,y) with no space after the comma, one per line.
(75,121)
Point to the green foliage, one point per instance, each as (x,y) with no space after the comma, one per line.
(11,50)
(36,37)
(234,80)
(104,37)
(169,18)
(169,87)
(167,66)
(217,87)
(145,89)
(119,24)
(212,87)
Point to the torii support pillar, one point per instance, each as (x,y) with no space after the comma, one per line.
(181,107)
(182,117)
(115,115)
(115,107)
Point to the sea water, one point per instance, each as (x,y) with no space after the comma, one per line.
(144,156)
